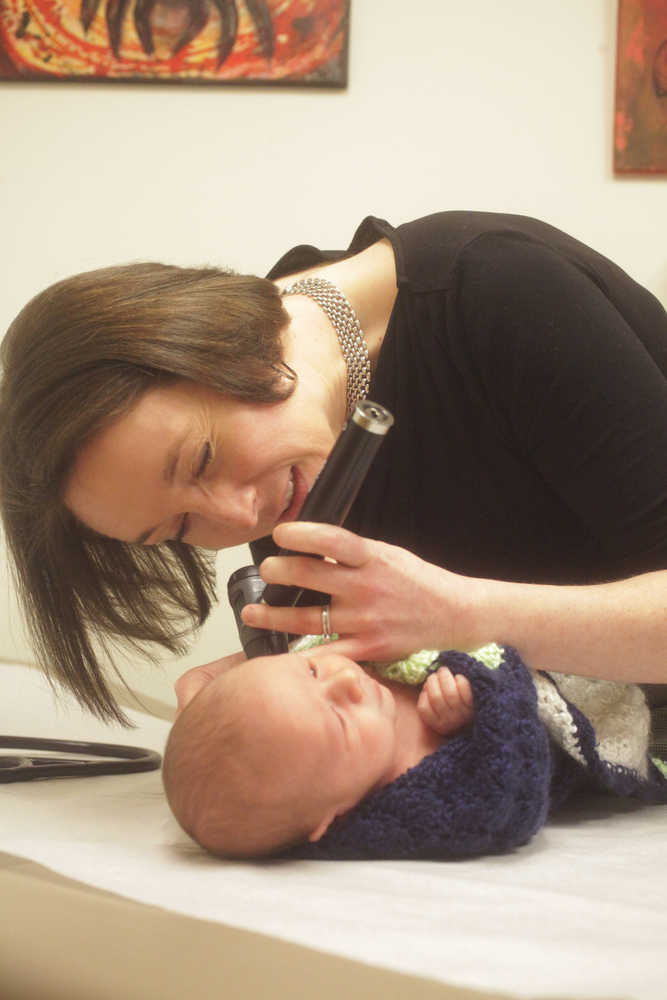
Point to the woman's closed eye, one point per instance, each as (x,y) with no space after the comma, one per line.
(204,458)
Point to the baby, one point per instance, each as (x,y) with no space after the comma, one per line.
(270,752)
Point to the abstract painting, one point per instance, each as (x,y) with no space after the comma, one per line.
(187,41)
(640,125)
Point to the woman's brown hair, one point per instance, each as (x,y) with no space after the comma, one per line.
(77,357)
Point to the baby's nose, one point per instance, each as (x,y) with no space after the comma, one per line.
(345,685)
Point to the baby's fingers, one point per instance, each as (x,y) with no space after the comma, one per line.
(428,714)
(432,703)
(465,690)
(446,701)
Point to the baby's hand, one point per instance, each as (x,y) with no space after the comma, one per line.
(445,702)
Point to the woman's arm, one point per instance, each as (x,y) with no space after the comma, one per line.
(616,631)
(386,602)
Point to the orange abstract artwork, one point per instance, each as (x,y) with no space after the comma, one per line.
(640,125)
(186,41)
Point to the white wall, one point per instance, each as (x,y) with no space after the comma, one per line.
(502,107)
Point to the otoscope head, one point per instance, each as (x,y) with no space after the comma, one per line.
(246,586)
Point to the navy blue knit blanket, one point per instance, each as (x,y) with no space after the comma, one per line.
(535,739)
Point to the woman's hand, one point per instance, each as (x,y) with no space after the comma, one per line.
(385,601)
(446,701)
(192,681)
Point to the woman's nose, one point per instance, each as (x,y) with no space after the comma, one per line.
(235,505)
(345,685)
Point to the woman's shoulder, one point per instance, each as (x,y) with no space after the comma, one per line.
(305,255)
(425,249)
(445,250)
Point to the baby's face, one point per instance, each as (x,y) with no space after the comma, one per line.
(326,720)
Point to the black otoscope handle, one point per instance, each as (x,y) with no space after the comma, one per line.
(328,502)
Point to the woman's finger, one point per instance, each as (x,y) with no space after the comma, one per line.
(301,571)
(325,540)
(308,621)
(299,621)
(352,649)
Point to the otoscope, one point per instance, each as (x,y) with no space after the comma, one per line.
(328,502)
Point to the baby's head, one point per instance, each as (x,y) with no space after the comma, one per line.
(269,753)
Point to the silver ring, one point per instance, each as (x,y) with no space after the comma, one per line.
(326,622)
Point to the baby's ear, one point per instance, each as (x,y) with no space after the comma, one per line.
(322,827)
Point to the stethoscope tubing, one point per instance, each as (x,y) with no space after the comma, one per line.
(24,767)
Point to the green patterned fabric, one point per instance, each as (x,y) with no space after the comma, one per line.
(416,668)
(661,765)
(413,669)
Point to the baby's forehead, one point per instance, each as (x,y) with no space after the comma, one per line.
(259,683)
(276,726)
(267,672)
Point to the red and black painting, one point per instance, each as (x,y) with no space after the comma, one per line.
(196,41)
(640,126)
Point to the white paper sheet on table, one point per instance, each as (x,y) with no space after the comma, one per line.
(581,911)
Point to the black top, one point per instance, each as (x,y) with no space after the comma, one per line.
(528,378)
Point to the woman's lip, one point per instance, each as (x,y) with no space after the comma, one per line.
(298,497)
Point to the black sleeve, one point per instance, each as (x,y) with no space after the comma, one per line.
(576,390)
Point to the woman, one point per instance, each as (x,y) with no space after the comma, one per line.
(149,413)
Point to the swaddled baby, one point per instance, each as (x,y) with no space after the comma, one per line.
(270,752)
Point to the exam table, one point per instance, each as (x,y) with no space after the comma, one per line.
(103,896)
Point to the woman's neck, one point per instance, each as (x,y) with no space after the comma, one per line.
(368,280)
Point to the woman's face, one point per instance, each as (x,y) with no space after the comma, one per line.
(186,462)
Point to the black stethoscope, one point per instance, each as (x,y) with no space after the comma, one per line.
(25,767)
